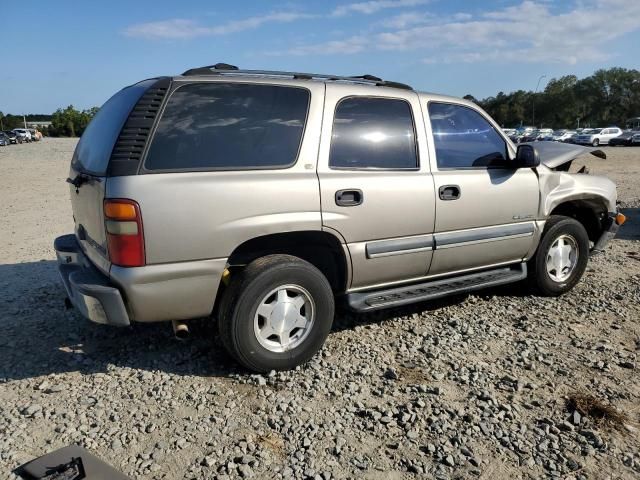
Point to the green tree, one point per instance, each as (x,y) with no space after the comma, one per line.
(71,122)
(607,97)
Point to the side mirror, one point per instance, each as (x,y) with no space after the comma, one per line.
(526,157)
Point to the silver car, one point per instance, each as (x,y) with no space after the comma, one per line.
(598,136)
(259,199)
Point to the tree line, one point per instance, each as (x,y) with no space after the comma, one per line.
(67,122)
(606,98)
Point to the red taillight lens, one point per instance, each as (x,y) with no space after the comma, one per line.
(125,236)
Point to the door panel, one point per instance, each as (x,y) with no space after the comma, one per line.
(388,229)
(490,219)
(487,197)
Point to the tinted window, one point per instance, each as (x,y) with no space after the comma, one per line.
(463,138)
(228,126)
(373,133)
(94,148)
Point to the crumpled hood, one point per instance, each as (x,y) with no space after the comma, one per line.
(554,154)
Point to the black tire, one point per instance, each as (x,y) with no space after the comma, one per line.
(595,142)
(556,227)
(244,295)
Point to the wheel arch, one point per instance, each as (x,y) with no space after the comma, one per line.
(320,248)
(591,212)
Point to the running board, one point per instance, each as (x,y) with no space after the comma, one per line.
(393,297)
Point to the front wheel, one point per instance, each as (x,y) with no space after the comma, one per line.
(562,256)
(595,142)
(276,313)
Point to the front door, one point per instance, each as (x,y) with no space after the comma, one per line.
(485,209)
(376,189)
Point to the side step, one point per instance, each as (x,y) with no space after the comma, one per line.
(393,297)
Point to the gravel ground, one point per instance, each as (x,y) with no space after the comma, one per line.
(472,387)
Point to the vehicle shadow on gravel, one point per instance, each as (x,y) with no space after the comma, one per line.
(39,337)
(346,319)
(631,228)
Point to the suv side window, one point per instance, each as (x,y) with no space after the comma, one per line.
(209,126)
(372,132)
(465,139)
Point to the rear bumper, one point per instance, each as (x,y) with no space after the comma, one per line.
(610,229)
(153,293)
(88,289)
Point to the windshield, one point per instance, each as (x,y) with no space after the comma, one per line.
(96,143)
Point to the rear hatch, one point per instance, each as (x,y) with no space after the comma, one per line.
(90,168)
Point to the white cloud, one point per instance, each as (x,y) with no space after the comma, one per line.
(373,6)
(179,28)
(528,32)
(407,19)
(176,28)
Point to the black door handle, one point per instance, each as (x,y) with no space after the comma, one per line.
(349,198)
(449,192)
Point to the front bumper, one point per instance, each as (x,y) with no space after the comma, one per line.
(610,229)
(88,289)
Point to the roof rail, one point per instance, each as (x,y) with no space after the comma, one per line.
(208,69)
(226,69)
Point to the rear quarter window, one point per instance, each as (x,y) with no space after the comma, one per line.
(96,144)
(229,126)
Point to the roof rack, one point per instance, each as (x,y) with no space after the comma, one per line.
(226,69)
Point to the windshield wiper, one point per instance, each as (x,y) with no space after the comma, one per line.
(79,180)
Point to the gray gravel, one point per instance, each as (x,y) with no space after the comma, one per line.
(470,387)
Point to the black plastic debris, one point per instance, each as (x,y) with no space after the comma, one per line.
(68,463)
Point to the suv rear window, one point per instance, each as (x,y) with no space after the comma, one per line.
(210,126)
(96,144)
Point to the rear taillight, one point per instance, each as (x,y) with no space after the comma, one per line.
(125,237)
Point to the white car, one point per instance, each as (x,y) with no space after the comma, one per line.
(563,135)
(544,134)
(23,133)
(598,136)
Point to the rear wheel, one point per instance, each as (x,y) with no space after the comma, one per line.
(276,313)
(562,256)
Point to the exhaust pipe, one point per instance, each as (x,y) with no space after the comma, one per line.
(180,329)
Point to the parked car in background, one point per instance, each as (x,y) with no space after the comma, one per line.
(11,135)
(515,137)
(563,135)
(624,139)
(545,134)
(531,136)
(598,136)
(36,136)
(23,134)
(4,140)
(509,131)
(635,140)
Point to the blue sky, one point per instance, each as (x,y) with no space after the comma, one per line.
(75,52)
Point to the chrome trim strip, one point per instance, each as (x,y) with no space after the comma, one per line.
(399,252)
(399,246)
(480,235)
(486,240)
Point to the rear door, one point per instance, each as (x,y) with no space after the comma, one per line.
(89,171)
(485,208)
(376,188)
